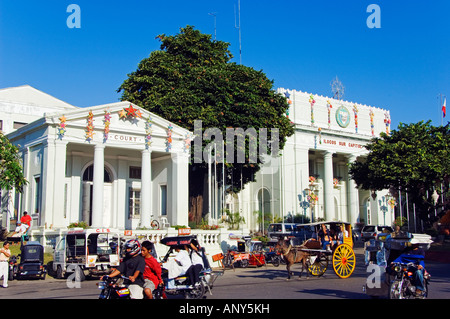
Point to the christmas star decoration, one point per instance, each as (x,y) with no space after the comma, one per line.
(131,111)
(123,114)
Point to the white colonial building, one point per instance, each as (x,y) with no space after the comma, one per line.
(119,166)
(114,165)
(311,178)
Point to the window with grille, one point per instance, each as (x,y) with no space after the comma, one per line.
(134,202)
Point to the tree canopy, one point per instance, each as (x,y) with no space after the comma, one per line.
(192,78)
(11,171)
(415,158)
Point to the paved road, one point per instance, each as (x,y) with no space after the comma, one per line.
(250,283)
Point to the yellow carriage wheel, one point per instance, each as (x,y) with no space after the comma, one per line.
(319,266)
(344,261)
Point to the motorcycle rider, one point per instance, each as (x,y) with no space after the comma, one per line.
(416,252)
(133,267)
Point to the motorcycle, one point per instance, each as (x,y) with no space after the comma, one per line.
(115,288)
(274,258)
(403,286)
(12,264)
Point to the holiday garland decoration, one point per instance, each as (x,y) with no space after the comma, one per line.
(169,137)
(312,101)
(320,135)
(107,121)
(287,94)
(387,122)
(62,127)
(312,198)
(392,202)
(148,132)
(90,127)
(130,112)
(336,182)
(355,111)
(187,142)
(372,126)
(329,107)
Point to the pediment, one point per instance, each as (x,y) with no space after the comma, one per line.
(119,122)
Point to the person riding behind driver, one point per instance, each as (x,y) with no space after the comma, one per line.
(179,265)
(133,267)
(152,274)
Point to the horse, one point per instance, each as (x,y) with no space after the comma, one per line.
(293,255)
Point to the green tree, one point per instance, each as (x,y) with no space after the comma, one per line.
(11,172)
(191,78)
(415,158)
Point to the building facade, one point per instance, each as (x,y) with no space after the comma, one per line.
(120,166)
(114,165)
(311,178)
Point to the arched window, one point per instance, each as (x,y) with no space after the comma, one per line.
(88,175)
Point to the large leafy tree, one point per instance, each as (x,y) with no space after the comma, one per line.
(192,78)
(11,171)
(414,158)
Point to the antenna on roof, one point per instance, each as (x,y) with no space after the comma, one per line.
(337,88)
(239,28)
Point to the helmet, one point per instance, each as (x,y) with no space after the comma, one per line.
(132,248)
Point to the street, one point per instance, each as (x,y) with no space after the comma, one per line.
(266,282)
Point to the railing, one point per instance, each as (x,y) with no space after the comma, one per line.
(214,241)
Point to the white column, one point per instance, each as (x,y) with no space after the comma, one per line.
(122,220)
(47,180)
(353,198)
(59,171)
(180,189)
(97,191)
(146,188)
(328,186)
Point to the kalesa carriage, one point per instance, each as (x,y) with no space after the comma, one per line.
(317,245)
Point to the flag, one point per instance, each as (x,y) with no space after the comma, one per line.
(444,107)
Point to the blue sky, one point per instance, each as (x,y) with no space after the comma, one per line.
(301,45)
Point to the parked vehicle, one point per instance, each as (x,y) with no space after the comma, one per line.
(371,231)
(249,253)
(31,262)
(272,256)
(276,230)
(91,251)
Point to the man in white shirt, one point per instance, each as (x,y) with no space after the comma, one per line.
(5,253)
(20,230)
